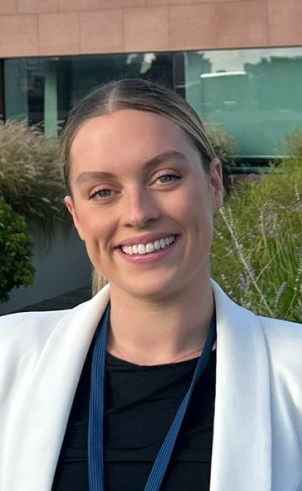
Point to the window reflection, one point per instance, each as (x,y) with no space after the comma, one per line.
(43,90)
(255,95)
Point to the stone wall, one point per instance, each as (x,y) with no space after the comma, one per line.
(69,27)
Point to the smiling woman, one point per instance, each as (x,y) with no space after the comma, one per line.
(140,404)
(148,187)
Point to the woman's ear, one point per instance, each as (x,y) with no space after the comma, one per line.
(71,208)
(216,184)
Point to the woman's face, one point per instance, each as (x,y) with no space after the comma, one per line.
(143,203)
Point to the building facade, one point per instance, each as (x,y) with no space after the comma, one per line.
(238,63)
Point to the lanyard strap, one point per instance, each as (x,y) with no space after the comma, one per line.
(97,410)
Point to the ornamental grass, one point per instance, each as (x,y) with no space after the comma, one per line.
(257,249)
(30,179)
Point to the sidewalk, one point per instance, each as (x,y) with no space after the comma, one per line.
(66,301)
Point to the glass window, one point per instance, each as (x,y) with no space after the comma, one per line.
(43,90)
(255,95)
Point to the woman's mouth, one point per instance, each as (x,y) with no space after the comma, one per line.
(150,247)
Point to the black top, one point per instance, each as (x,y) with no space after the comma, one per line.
(141,402)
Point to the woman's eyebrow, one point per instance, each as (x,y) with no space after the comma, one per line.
(153,162)
(163,157)
(93,176)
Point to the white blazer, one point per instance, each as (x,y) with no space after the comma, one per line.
(257,442)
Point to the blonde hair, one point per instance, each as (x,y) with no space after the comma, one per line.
(98,281)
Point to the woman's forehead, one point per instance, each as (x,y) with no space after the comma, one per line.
(116,131)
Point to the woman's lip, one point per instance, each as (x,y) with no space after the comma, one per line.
(145,239)
(149,257)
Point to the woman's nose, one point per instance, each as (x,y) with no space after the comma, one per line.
(139,209)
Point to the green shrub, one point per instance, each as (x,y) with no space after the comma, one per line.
(30,179)
(223,144)
(16,251)
(294,144)
(257,250)
(224,147)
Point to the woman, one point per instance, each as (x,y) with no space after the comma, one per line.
(119,393)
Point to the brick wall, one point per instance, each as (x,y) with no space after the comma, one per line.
(62,27)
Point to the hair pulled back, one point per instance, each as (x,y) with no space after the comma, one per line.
(140,95)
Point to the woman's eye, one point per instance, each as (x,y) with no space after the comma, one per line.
(167,178)
(101,193)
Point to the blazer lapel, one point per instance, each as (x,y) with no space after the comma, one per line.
(241,458)
(47,396)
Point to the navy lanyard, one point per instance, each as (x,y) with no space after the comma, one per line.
(97,410)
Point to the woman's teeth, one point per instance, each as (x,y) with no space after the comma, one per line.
(150,247)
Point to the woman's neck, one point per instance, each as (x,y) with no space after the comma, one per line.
(150,333)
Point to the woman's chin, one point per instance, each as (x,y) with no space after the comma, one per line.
(158,288)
